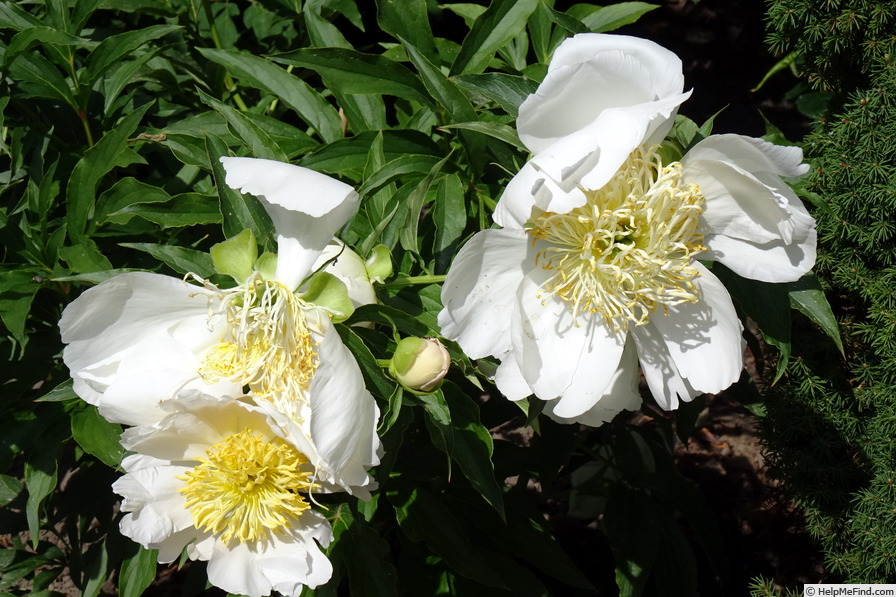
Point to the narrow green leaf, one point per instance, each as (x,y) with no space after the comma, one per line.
(259,142)
(137,572)
(96,435)
(292,91)
(60,393)
(114,48)
(630,521)
(348,157)
(415,202)
(449,213)
(40,481)
(14,17)
(396,169)
(125,193)
(26,39)
(180,259)
(809,299)
(500,23)
(189,149)
(354,72)
(239,211)
(501,132)
(407,20)
(97,569)
(95,277)
(508,91)
(96,163)
(608,18)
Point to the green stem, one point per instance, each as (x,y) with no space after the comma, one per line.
(86,126)
(383,362)
(411,280)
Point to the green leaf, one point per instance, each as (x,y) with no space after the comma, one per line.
(187,209)
(608,18)
(10,488)
(95,277)
(354,72)
(14,17)
(408,21)
(96,570)
(374,379)
(180,259)
(239,211)
(40,481)
(500,23)
(61,393)
(394,170)
(189,149)
(508,91)
(85,257)
(809,299)
(501,132)
(259,142)
(348,157)
(37,77)
(96,163)
(455,429)
(449,213)
(24,40)
(17,290)
(415,202)
(422,514)
(137,572)
(112,49)
(124,194)
(96,435)
(292,91)
(365,555)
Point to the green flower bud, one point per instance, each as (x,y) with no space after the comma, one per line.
(420,364)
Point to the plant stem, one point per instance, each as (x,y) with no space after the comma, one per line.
(411,280)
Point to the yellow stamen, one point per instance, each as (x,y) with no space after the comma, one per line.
(629,249)
(247,487)
(269,347)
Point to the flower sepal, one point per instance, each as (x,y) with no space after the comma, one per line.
(236,256)
(329,293)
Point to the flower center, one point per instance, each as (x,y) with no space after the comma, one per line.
(269,347)
(629,249)
(246,487)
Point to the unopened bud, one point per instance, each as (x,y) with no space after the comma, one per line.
(420,363)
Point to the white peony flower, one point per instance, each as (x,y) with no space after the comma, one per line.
(230,483)
(139,339)
(572,301)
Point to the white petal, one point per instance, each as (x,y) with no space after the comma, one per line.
(662,376)
(750,154)
(704,338)
(157,508)
(753,222)
(285,563)
(348,266)
(306,207)
(622,394)
(769,262)
(591,73)
(560,357)
(344,416)
(510,380)
(479,292)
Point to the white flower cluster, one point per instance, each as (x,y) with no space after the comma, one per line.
(241,402)
(596,270)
